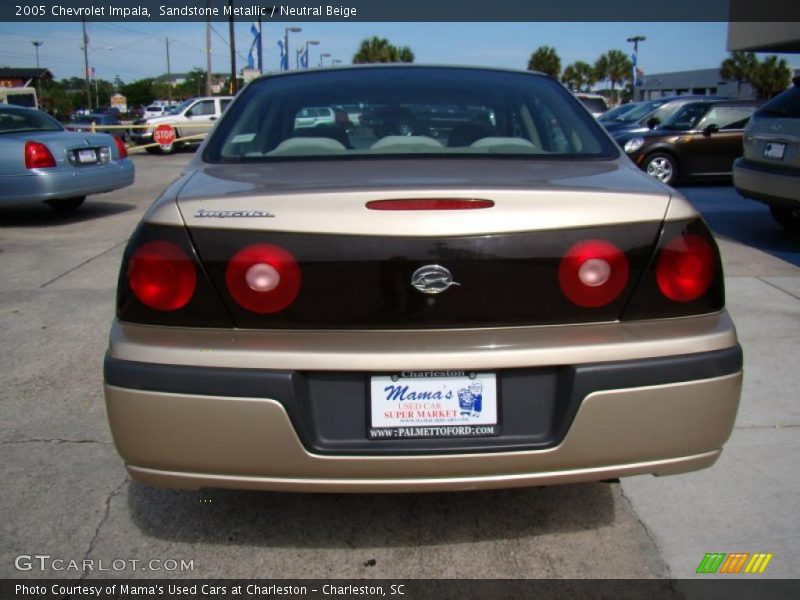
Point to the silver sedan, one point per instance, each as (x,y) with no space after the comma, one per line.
(42,162)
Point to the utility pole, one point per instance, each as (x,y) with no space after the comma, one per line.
(169,78)
(86,65)
(234,84)
(208,55)
(208,58)
(635,41)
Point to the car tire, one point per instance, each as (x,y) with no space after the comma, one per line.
(786,217)
(66,204)
(661,166)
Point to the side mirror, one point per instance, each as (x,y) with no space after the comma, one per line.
(713,128)
(653,122)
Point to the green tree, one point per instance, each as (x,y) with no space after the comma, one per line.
(771,77)
(614,66)
(738,67)
(193,85)
(545,59)
(379,50)
(138,93)
(578,76)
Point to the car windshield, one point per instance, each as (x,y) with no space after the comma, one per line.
(686,117)
(174,110)
(635,112)
(406,111)
(12,121)
(595,105)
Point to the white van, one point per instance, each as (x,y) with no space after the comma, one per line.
(19,96)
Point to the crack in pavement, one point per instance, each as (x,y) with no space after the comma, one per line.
(115,492)
(780,289)
(87,261)
(647,532)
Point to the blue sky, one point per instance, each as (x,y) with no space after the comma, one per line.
(134,50)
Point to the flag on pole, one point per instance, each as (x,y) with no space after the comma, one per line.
(284,56)
(251,63)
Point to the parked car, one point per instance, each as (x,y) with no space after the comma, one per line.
(405,315)
(192,119)
(41,162)
(156,110)
(640,117)
(769,170)
(102,123)
(314,116)
(595,103)
(701,140)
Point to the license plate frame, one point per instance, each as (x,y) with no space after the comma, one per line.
(433,405)
(774,150)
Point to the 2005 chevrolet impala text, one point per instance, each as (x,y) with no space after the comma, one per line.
(472,288)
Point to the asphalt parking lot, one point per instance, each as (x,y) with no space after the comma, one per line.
(66,493)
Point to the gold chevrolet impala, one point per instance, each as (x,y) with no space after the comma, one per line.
(471,288)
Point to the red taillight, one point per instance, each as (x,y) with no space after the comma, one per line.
(263,278)
(121,148)
(593,273)
(162,275)
(430,204)
(686,268)
(38,156)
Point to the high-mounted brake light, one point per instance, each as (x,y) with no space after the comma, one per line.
(121,148)
(38,156)
(593,273)
(162,276)
(686,268)
(430,204)
(263,278)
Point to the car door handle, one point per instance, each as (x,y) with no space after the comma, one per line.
(212,118)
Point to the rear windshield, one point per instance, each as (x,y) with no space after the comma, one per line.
(405,111)
(785,104)
(12,121)
(595,105)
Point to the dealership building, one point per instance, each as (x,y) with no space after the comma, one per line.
(749,37)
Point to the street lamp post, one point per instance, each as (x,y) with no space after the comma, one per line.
(321,56)
(36,44)
(635,41)
(310,43)
(286,41)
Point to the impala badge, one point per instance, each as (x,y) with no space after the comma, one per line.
(432,279)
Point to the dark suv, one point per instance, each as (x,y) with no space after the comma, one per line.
(700,140)
(769,171)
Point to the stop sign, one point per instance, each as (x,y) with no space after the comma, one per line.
(164,136)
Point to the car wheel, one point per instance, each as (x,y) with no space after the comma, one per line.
(662,167)
(787,217)
(66,203)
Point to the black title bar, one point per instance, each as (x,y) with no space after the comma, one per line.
(405,11)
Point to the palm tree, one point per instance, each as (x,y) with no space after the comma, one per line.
(738,67)
(771,77)
(619,69)
(578,76)
(379,50)
(546,60)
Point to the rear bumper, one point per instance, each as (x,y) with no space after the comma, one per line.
(773,186)
(42,185)
(178,426)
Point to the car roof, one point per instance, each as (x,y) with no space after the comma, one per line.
(384,66)
(730,102)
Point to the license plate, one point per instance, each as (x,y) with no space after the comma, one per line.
(774,150)
(87,156)
(433,404)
